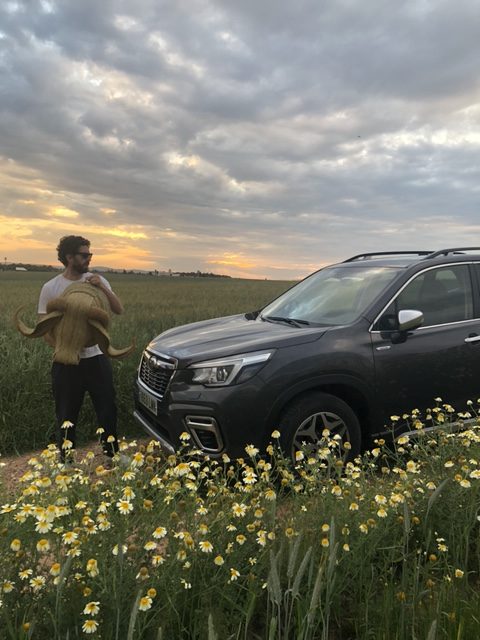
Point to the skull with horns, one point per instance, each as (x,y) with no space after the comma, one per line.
(77,319)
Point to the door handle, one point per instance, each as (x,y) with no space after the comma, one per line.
(473,337)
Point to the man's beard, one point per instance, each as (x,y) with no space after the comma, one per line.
(80,269)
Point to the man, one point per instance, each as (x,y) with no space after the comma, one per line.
(94,371)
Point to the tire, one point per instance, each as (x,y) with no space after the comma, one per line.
(303,422)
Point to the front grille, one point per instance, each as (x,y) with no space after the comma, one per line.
(156,371)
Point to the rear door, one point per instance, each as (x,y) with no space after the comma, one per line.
(441,358)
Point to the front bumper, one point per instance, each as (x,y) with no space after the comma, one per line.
(219,420)
(150,429)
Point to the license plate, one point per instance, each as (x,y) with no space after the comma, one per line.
(148,401)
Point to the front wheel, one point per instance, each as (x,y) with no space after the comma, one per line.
(309,422)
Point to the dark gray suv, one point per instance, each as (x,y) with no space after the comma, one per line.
(343,350)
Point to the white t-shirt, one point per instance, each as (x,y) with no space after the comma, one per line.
(54,288)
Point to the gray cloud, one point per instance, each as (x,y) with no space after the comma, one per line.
(334,128)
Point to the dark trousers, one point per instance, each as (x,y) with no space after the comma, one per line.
(69,384)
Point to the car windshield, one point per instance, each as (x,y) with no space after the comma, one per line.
(332,296)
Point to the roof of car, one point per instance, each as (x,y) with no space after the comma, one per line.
(405,259)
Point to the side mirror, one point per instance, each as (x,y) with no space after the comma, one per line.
(409,319)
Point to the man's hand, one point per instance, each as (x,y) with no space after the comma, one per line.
(95,280)
(113,300)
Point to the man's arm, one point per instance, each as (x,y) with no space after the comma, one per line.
(114,301)
(42,310)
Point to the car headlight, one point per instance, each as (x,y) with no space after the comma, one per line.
(224,371)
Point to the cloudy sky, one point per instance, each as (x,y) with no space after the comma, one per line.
(256,138)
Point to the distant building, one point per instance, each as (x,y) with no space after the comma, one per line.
(20,269)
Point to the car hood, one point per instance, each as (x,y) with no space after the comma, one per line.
(229,336)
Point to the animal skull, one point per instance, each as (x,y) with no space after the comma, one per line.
(77,319)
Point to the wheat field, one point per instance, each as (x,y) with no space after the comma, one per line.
(152,305)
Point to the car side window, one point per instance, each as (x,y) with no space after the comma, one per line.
(443,295)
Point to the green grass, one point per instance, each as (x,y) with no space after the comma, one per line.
(152,305)
(388,549)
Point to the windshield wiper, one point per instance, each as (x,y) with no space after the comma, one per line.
(292,321)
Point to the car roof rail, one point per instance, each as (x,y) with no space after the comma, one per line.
(368,256)
(445,252)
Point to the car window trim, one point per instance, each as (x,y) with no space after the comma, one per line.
(418,273)
(476,285)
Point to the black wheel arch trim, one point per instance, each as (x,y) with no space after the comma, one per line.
(325,384)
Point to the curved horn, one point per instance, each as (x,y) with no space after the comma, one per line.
(56,304)
(103,341)
(42,327)
(95,314)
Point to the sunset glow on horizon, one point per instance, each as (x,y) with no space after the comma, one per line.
(237,138)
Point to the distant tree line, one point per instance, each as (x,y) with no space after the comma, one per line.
(199,274)
(12,266)
(172,274)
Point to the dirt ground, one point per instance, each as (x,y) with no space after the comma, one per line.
(13,467)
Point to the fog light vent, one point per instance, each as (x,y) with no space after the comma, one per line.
(205,432)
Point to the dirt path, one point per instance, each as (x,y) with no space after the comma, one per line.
(13,467)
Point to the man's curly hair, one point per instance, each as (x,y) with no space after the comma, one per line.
(69,245)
